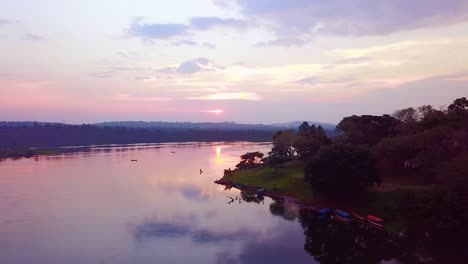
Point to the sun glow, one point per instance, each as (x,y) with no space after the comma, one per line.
(214,111)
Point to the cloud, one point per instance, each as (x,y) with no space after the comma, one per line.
(33,37)
(192,66)
(228,96)
(4,22)
(309,80)
(185,42)
(132,98)
(209,45)
(206,23)
(165,31)
(354,60)
(156,31)
(283,41)
(308,18)
(103,74)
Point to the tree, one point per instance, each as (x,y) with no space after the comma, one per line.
(309,140)
(341,169)
(407,115)
(250,159)
(460,104)
(283,149)
(367,129)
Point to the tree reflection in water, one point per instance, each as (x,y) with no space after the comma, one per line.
(328,241)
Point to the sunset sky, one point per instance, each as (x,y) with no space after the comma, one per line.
(248,61)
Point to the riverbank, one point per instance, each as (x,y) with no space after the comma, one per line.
(397,205)
(16,153)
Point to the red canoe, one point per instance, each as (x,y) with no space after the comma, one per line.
(374,219)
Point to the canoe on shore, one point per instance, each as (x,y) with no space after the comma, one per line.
(374,219)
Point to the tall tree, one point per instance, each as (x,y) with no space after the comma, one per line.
(283,149)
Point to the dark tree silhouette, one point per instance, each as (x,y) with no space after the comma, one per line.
(341,169)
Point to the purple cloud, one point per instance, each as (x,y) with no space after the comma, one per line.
(4,22)
(205,23)
(156,31)
(166,31)
(192,66)
(308,18)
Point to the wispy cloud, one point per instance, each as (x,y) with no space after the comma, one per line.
(132,98)
(310,18)
(228,96)
(209,45)
(34,37)
(103,74)
(192,66)
(309,80)
(155,31)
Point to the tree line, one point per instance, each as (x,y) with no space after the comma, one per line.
(421,142)
(56,135)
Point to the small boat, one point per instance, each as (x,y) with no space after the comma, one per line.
(342,216)
(358,217)
(134,160)
(324,211)
(374,219)
(342,219)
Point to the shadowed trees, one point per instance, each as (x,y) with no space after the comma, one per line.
(308,140)
(341,169)
(283,149)
(367,129)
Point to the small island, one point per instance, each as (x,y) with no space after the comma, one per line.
(407,167)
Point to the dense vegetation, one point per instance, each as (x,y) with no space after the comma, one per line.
(422,145)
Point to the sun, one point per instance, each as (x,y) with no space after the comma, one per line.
(218,111)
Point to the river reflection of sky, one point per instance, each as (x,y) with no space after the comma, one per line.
(97,206)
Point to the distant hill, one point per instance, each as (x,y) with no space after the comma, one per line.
(41,134)
(208,125)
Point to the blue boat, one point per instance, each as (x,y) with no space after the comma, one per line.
(343,214)
(324,211)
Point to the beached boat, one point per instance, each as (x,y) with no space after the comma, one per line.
(374,219)
(342,216)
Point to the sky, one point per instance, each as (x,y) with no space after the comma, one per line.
(247,61)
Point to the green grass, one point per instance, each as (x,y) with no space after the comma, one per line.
(399,206)
(286,180)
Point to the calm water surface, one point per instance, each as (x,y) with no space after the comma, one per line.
(98,207)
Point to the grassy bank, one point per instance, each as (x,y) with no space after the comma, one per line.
(26,152)
(287,180)
(397,205)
